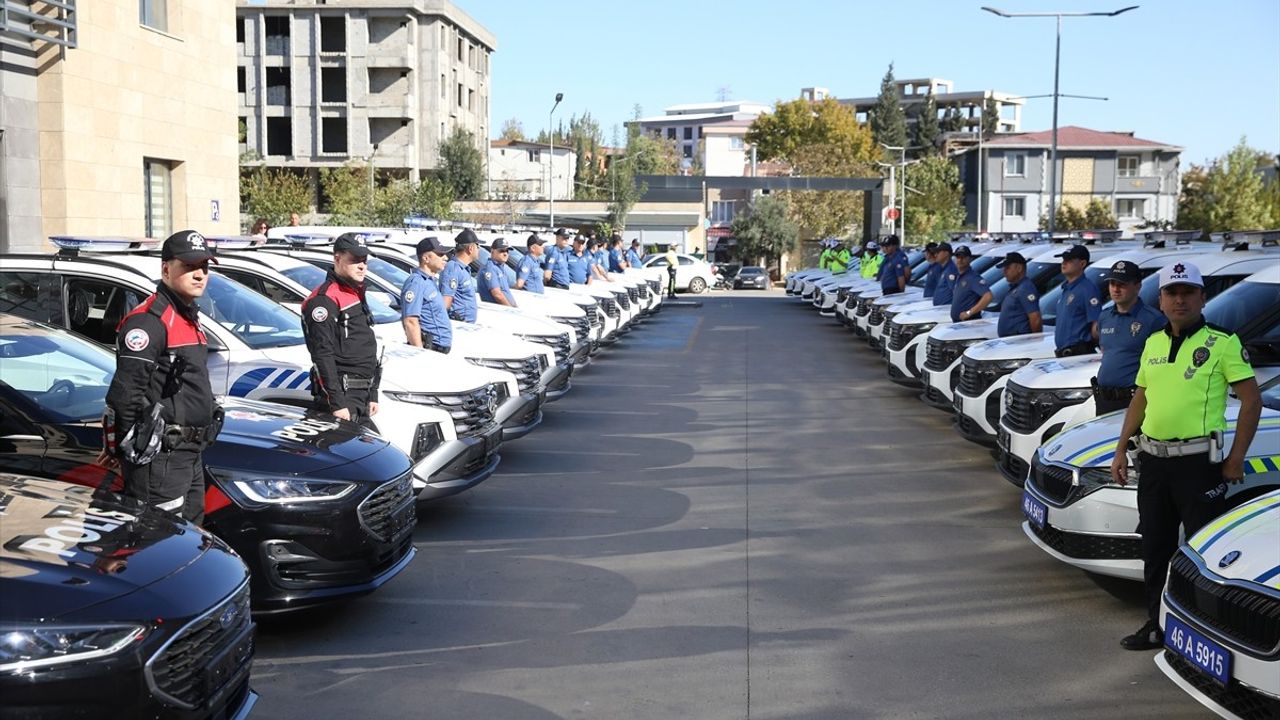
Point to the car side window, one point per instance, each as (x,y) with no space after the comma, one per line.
(263,286)
(684,260)
(660,262)
(32,295)
(95,308)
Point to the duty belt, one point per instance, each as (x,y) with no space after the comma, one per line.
(350,382)
(1113,393)
(1173,448)
(174,434)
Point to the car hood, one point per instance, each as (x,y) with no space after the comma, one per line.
(981,329)
(1244,540)
(593,290)
(905,296)
(551,306)
(267,437)
(518,321)
(1058,373)
(1035,346)
(404,367)
(921,317)
(579,299)
(62,549)
(473,341)
(912,305)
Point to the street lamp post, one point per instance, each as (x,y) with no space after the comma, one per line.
(551,161)
(1057,57)
(902,205)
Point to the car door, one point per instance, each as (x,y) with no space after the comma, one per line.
(686,271)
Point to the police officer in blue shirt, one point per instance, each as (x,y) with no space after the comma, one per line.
(1122,330)
(970,294)
(615,254)
(422,310)
(633,255)
(579,262)
(492,284)
(531,274)
(558,261)
(894,270)
(934,272)
(1020,312)
(943,294)
(1078,306)
(456,283)
(599,259)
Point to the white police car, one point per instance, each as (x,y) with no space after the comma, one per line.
(443,419)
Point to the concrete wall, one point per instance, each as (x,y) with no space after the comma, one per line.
(721,159)
(513,174)
(20,226)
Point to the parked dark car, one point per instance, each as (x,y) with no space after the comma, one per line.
(319,509)
(112,609)
(751,277)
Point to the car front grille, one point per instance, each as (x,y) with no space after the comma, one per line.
(1089,547)
(1241,701)
(581,326)
(1026,410)
(897,338)
(192,668)
(623,300)
(559,344)
(842,296)
(655,286)
(939,355)
(1013,468)
(528,371)
(611,307)
(876,316)
(977,376)
(633,295)
(472,411)
(1245,616)
(864,306)
(1055,482)
(389,511)
(593,315)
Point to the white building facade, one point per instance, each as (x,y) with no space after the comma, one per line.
(686,124)
(520,170)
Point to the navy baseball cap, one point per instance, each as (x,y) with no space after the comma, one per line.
(431,244)
(466,237)
(1123,271)
(962,251)
(562,232)
(351,243)
(188,246)
(1013,258)
(499,245)
(944,247)
(533,239)
(1075,252)
(890,240)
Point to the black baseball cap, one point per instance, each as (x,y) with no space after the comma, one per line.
(431,244)
(943,247)
(561,232)
(635,242)
(962,251)
(889,241)
(931,247)
(352,243)
(1123,271)
(1075,252)
(188,246)
(499,245)
(466,237)
(1013,258)
(533,239)
(578,239)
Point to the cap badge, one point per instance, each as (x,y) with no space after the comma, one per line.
(196,240)
(1179,269)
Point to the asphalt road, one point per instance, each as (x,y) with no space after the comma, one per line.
(732,515)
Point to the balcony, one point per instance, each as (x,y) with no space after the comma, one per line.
(1145,184)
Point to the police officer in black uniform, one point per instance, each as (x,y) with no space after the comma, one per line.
(161,413)
(338,326)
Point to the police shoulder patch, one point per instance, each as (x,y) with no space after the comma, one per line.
(488,275)
(1031,297)
(408,296)
(1244,355)
(453,283)
(319,314)
(137,340)
(1093,301)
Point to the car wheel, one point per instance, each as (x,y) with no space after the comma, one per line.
(697,286)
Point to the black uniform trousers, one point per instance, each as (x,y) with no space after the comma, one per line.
(358,405)
(671,281)
(172,475)
(1184,491)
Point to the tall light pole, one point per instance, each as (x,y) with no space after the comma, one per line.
(551,161)
(902,205)
(1057,57)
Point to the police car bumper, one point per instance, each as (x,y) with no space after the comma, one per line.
(905,363)
(939,386)
(1023,445)
(827,306)
(520,415)
(978,418)
(1096,532)
(472,461)
(556,381)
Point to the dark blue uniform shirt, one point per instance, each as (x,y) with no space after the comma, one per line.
(931,279)
(894,266)
(456,282)
(1021,301)
(967,291)
(494,276)
(579,266)
(420,296)
(615,260)
(1122,337)
(633,258)
(1078,307)
(531,273)
(558,263)
(946,284)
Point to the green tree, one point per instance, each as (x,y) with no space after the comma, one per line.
(1235,191)
(273,194)
(801,123)
(888,122)
(764,229)
(587,141)
(348,191)
(927,128)
(1193,205)
(990,117)
(652,155)
(462,165)
(401,197)
(1098,216)
(952,121)
(512,129)
(937,203)
(1069,218)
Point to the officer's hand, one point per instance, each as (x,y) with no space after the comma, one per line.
(107,460)
(1120,468)
(342,414)
(1233,469)
(373,409)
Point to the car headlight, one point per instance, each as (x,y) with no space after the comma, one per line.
(1093,478)
(1073,395)
(1011,365)
(418,398)
(30,647)
(282,489)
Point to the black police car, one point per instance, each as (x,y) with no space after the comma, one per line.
(318,508)
(111,609)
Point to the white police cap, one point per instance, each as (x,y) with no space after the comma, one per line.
(1180,273)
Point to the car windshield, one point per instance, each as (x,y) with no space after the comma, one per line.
(1271,393)
(65,378)
(1243,302)
(255,320)
(310,277)
(751,271)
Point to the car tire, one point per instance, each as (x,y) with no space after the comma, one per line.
(697,286)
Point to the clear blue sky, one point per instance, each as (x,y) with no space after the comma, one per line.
(1193,73)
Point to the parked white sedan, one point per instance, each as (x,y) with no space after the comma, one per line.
(692,274)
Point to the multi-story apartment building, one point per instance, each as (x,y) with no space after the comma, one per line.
(685,124)
(118,119)
(1138,178)
(323,83)
(523,170)
(914,92)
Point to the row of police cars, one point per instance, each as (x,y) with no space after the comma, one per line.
(1035,412)
(110,609)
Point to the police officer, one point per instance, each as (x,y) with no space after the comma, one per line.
(1184,373)
(580,262)
(599,259)
(1078,306)
(946,275)
(456,283)
(616,261)
(558,261)
(933,272)
(869,269)
(894,270)
(160,413)
(492,284)
(338,327)
(531,274)
(634,258)
(839,258)
(969,292)
(1020,313)
(824,257)
(422,311)
(1122,330)
(673,261)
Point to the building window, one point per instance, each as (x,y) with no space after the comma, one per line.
(1127,166)
(471,100)
(722,211)
(459,94)
(688,133)
(239,30)
(277,29)
(279,136)
(688,151)
(333,135)
(278,82)
(461,44)
(242,82)
(444,35)
(154,14)
(1130,207)
(333,34)
(333,84)
(535,156)
(156,184)
(444,87)
(671,133)
(1015,206)
(737,143)
(1015,165)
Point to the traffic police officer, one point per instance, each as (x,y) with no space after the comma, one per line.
(1183,377)
(160,413)
(1020,313)
(531,274)
(456,283)
(946,275)
(558,261)
(633,255)
(492,285)
(894,270)
(934,271)
(839,258)
(673,261)
(1078,306)
(422,311)
(1122,331)
(338,328)
(969,293)
(580,262)
(824,257)
(869,269)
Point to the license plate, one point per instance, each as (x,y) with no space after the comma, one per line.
(227,666)
(1206,655)
(492,440)
(1036,511)
(403,520)
(1002,439)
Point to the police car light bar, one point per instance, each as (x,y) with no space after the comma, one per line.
(1099,235)
(1243,239)
(1161,238)
(420,221)
(235,242)
(307,239)
(103,243)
